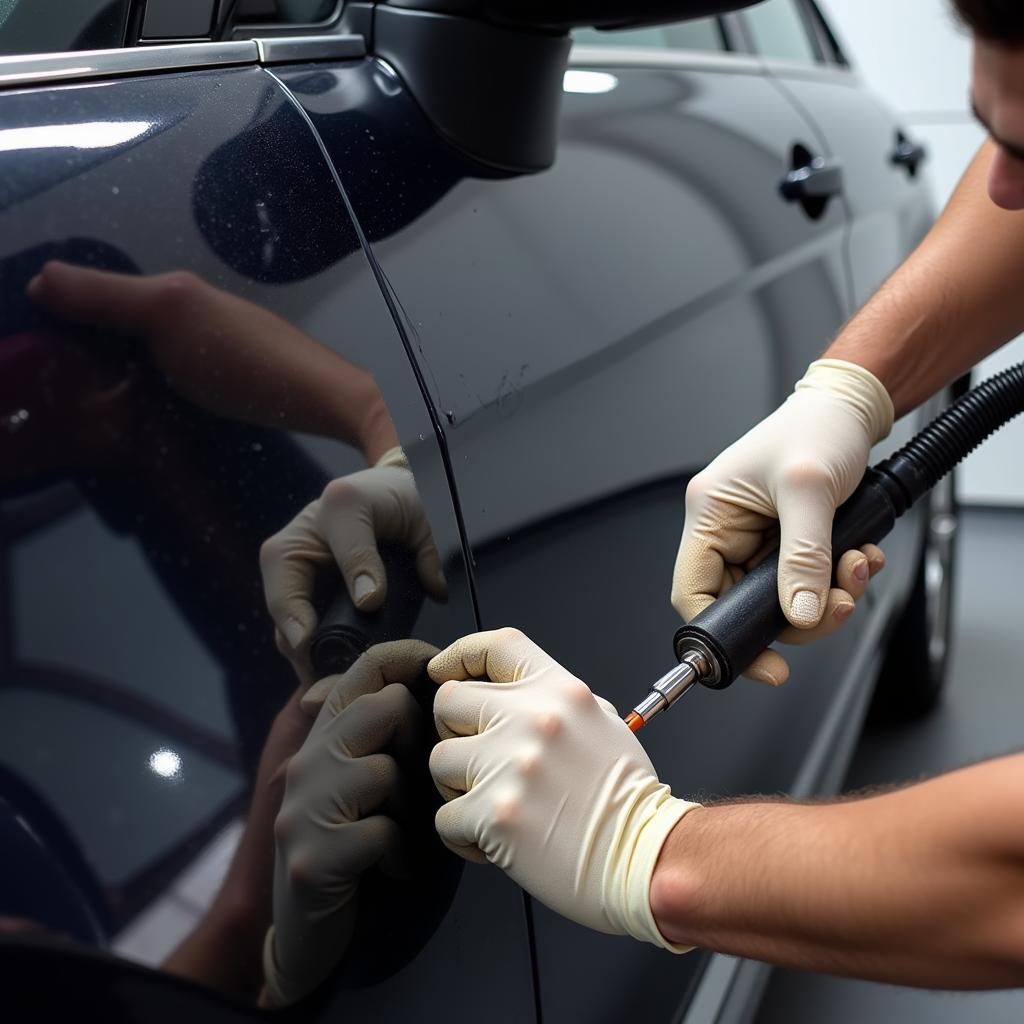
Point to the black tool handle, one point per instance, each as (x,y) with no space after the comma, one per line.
(748,617)
(345,632)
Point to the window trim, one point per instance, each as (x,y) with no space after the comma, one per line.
(84,65)
(734,57)
(726,35)
(834,54)
(731,61)
(820,57)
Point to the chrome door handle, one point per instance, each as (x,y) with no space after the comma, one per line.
(908,155)
(821,179)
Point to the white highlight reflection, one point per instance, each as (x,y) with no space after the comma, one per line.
(589,81)
(166,763)
(86,135)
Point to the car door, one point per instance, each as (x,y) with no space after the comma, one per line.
(203,353)
(591,336)
(885,184)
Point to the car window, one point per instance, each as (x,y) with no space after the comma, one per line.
(779,30)
(702,34)
(28,26)
(295,12)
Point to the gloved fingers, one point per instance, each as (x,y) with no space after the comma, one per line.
(450,765)
(806,510)
(346,520)
(428,567)
(500,655)
(852,576)
(769,667)
(372,840)
(458,708)
(857,568)
(288,562)
(340,854)
(717,535)
(876,559)
(456,826)
(397,661)
(299,663)
(371,722)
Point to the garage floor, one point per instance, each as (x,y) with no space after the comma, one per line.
(982,716)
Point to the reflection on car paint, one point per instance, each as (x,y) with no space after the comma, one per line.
(182,380)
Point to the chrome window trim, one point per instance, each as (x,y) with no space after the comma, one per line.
(841,74)
(83,65)
(290,49)
(664,57)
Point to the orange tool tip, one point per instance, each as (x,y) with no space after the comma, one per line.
(634,721)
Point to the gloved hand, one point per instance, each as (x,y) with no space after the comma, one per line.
(343,526)
(544,780)
(330,829)
(782,482)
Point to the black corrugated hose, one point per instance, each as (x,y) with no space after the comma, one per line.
(954,434)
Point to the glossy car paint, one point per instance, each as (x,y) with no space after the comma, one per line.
(131,525)
(586,339)
(592,336)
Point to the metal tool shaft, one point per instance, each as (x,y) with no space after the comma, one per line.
(667,690)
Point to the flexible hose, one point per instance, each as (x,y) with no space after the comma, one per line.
(953,435)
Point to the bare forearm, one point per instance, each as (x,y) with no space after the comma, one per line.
(924,886)
(954,301)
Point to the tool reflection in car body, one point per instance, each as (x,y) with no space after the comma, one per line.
(725,638)
(345,632)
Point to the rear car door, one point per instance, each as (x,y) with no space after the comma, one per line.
(592,335)
(187,380)
(885,184)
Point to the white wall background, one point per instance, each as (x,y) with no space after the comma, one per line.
(915,55)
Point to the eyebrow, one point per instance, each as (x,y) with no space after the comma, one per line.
(1012,148)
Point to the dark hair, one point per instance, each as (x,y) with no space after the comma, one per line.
(1000,21)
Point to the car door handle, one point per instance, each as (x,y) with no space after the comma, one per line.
(820,179)
(908,155)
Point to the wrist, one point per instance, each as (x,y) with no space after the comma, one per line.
(377,432)
(677,885)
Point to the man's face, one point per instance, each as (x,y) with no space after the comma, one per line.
(998,94)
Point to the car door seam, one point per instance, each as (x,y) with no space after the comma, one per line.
(390,300)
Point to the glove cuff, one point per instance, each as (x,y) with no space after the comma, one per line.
(665,812)
(393,458)
(858,388)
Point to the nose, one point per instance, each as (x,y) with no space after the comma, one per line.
(1006,182)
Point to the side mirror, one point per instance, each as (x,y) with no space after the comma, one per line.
(562,15)
(488,73)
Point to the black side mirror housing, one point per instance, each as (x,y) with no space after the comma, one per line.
(488,73)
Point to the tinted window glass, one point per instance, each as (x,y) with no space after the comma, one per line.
(266,12)
(28,26)
(779,30)
(702,34)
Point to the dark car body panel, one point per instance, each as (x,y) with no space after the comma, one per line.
(561,352)
(587,355)
(216,175)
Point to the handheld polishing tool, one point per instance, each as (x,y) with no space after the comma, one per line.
(725,638)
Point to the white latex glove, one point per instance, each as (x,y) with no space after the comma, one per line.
(343,526)
(544,780)
(781,483)
(329,829)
